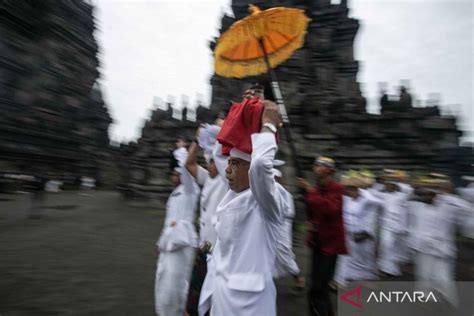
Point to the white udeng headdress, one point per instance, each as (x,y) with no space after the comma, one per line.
(235,153)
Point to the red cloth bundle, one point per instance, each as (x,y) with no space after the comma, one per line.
(243,120)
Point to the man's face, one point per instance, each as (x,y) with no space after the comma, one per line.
(212,169)
(237,172)
(391,187)
(351,191)
(425,195)
(321,171)
(175,179)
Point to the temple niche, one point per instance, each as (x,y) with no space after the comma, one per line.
(54,122)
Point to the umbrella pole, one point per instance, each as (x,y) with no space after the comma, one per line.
(281,105)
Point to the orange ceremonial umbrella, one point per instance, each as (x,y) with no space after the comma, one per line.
(258,43)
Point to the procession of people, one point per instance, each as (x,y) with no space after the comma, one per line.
(364,227)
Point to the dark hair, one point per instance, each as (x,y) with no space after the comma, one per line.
(257,86)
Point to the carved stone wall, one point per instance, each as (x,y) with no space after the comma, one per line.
(53,119)
(326,109)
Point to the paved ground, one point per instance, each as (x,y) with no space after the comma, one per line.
(95,255)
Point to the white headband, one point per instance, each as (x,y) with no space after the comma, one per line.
(235,153)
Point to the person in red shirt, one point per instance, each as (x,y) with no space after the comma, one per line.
(325,232)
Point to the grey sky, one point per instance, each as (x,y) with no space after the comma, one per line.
(160,48)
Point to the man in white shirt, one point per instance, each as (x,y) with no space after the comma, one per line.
(467,193)
(239,279)
(436,215)
(360,215)
(393,223)
(178,241)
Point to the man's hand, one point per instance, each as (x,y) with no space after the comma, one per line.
(248,94)
(303,184)
(271,114)
(219,122)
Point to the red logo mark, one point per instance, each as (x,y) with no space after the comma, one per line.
(345,297)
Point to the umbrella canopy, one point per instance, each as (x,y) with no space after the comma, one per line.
(239,52)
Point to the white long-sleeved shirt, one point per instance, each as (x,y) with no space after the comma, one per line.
(434,225)
(239,279)
(360,214)
(213,190)
(394,216)
(181,209)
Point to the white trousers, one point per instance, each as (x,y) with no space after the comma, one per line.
(358,265)
(361,262)
(436,273)
(173,274)
(391,249)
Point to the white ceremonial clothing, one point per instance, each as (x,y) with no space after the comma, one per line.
(360,216)
(468,195)
(173,274)
(177,245)
(393,231)
(405,188)
(340,272)
(207,137)
(285,262)
(436,273)
(239,277)
(404,251)
(377,187)
(213,190)
(434,226)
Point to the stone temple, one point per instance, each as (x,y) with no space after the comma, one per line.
(53,120)
(326,108)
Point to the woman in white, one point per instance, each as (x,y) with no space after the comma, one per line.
(177,243)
